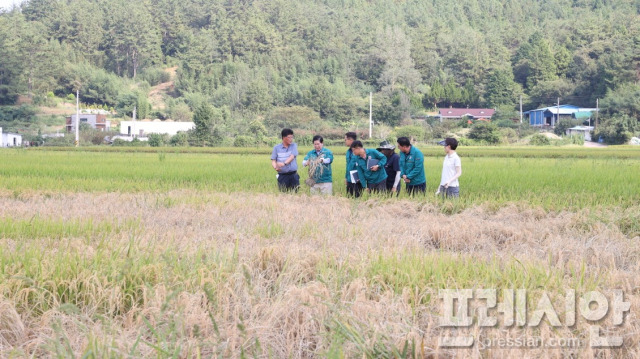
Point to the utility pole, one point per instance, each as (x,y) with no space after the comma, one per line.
(597,112)
(558,119)
(77,143)
(520,109)
(370,115)
(133,132)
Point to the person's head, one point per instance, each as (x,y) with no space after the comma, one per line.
(349,137)
(318,142)
(357,148)
(287,136)
(404,144)
(450,144)
(386,148)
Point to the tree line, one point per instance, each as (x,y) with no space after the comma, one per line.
(314,62)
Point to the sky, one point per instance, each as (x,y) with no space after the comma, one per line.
(6,4)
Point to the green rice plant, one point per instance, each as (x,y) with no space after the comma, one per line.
(554,183)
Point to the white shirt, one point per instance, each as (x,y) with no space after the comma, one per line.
(449,169)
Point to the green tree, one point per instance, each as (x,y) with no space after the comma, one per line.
(624,100)
(484,131)
(394,50)
(617,129)
(132,38)
(12,63)
(502,88)
(208,121)
(534,62)
(256,127)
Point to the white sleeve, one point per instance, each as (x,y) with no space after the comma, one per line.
(304,162)
(395,183)
(326,161)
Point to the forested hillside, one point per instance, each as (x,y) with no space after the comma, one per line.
(311,63)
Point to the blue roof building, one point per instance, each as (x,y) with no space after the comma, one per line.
(549,116)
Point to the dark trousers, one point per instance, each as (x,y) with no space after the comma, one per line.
(390,187)
(354,189)
(378,187)
(417,189)
(289,181)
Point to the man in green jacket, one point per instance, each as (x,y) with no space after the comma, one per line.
(353,189)
(319,161)
(369,165)
(412,167)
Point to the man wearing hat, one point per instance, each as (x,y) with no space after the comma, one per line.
(451,169)
(392,167)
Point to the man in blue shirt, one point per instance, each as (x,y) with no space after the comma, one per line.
(319,161)
(412,167)
(283,161)
(372,175)
(392,167)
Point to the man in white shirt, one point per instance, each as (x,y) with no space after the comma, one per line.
(451,169)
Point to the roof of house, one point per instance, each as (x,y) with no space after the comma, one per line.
(564,109)
(469,112)
(581,128)
(583,114)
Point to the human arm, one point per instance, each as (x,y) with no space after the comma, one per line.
(382,159)
(396,182)
(305,160)
(328,157)
(274,163)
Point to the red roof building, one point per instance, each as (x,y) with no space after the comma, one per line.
(472,113)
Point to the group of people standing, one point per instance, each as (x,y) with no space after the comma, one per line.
(372,170)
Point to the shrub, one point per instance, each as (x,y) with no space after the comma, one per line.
(244,141)
(158,140)
(414,133)
(180,139)
(564,124)
(155,76)
(485,131)
(509,135)
(539,140)
(618,129)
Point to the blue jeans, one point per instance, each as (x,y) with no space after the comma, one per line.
(453,192)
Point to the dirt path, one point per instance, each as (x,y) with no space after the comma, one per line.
(594,144)
(157,93)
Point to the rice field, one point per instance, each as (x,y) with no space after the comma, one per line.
(166,254)
(553,183)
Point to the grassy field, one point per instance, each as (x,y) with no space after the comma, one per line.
(553,183)
(167,254)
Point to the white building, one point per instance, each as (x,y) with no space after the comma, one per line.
(144,128)
(584,131)
(10,139)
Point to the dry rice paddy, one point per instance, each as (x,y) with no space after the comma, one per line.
(198,273)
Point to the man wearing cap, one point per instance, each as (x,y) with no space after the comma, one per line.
(392,167)
(412,167)
(283,160)
(353,189)
(451,169)
(369,165)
